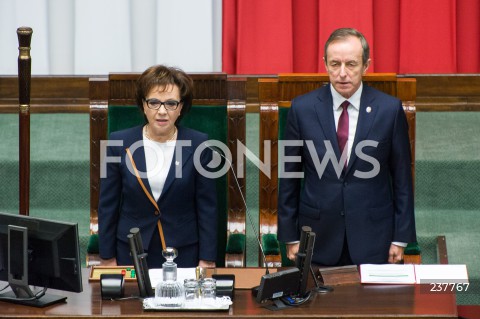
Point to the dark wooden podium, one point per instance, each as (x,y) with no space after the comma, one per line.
(350,301)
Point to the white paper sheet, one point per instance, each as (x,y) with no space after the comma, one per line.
(441,274)
(387,274)
(412,274)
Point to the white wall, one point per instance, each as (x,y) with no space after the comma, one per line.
(88,37)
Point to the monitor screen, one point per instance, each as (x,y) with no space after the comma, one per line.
(278,284)
(38,252)
(289,287)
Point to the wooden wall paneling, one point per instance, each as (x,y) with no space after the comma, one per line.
(209,88)
(236,112)
(442,250)
(69,94)
(294,84)
(268,188)
(49,94)
(268,89)
(406,91)
(99,91)
(447,92)
(236,219)
(268,92)
(237,88)
(122,88)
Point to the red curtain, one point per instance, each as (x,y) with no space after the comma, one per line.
(351,13)
(420,36)
(257,36)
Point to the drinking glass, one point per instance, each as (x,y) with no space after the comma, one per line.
(208,289)
(191,289)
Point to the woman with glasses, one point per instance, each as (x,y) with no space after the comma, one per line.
(152,181)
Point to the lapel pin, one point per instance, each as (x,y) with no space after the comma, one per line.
(177,163)
(369,109)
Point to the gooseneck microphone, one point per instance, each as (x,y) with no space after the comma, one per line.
(214,149)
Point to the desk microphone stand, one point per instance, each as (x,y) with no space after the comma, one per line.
(319,288)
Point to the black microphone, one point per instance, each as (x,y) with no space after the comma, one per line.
(214,149)
(303,261)
(140,263)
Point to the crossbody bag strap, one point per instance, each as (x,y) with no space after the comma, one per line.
(159,224)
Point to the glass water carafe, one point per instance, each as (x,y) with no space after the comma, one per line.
(169,292)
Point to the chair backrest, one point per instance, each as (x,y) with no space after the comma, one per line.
(275,95)
(216,110)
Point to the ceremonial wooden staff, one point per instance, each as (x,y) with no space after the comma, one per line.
(24,79)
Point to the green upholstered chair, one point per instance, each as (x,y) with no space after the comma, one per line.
(112,108)
(275,95)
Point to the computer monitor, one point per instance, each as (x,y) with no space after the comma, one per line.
(38,252)
(277,285)
(289,287)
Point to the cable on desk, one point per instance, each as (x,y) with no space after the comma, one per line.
(8,285)
(296,300)
(127,298)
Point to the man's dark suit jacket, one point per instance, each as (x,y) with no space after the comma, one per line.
(188,205)
(372,212)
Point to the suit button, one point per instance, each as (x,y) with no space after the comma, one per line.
(157,213)
(342,213)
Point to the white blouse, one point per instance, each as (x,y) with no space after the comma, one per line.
(158,158)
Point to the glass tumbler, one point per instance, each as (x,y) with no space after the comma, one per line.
(208,289)
(191,289)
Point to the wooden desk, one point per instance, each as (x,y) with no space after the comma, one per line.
(355,301)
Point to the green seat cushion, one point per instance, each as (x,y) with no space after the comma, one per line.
(270,244)
(122,117)
(92,247)
(209,119)
(412,249)
(236,243)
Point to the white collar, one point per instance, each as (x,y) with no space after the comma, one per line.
(354,100)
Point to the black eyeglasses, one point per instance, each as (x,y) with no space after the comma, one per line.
(155,104)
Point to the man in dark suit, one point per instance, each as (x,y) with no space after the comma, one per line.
(348,175)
